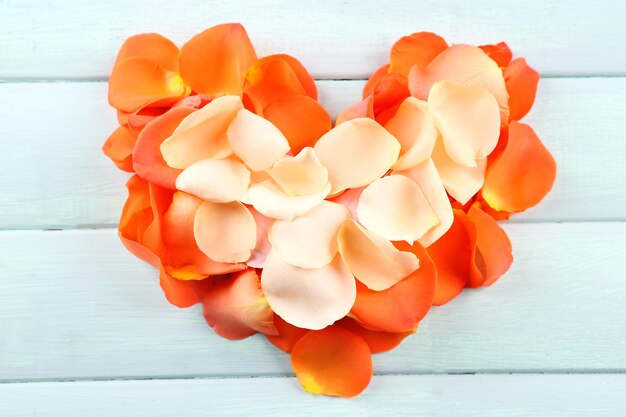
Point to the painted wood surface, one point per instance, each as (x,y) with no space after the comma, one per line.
(388,396)
(334,39)
(549,339)
(56,177)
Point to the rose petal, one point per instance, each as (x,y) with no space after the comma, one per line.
(263,246)
(309,241)
(147,158)
(136,82)
(225,232)
(308,298)
(217,180)
(119,148)
(288,335)
(427,178)
(183,294)
(396,208)
(377,341)
(414,127)
(374,80)
(453,257)
(301,174)
(333,361)
(523,173)
(214,61)
(521,83)
(464,65)
(270,79)
(372,259)
(256,141)
(461,182)
(271,200)
(468,120)
(202,134)
(301,119)
(152,46)
(499,52)
(236,308)
(364,108)
(417,49)
(356,153)
(400,308)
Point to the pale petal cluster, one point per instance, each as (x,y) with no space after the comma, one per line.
(319,220)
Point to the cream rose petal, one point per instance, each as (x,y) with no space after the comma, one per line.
(427,178)
(256,140)
(464,65)
(373,259)
(301,174)
(309,241)
(356,153)
(202,134)
(308,298)
(263,246)
(395,207)
(225,232)
(272,201)
(461,182)
(468,120)
(414,127)
(217,180)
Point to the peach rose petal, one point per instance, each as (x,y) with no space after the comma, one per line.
(256,141)
(396,208)
(333,361)
(202,134)
(512,183)
(468,120)
(426,177)
(236,308)
(372,259)
(309,241)
(272,201)
(214,62)
(301,174)
(464,65)
(308,298)
(263,246)
(217,180)
(461,182)
(414,127)
(356,153)
(225,232)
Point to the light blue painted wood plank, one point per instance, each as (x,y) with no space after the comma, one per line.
(334,39)
(75,304)
(393,396)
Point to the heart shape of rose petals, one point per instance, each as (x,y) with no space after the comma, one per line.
(332,240)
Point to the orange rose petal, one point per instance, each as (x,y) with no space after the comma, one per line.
(521,83)
(453,257)
(306,81)
(152,46)
(271,79)
(288,334)
(374,80)
(136,82)
(332,361)
(499,52)
(523,173)
(400,308)
(119,148)
(147,159)
(417,49)
(391,91)
(493,248)
(377,341)
(214,62)
(183,293)
(301,119)
(235,307)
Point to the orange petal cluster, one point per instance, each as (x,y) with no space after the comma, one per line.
(333,242)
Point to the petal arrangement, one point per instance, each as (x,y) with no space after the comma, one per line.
(332,240)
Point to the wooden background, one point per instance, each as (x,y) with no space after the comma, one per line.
(85,330)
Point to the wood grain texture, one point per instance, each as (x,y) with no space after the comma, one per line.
(392,396)
(334,39)
(55,176)
(74,304)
